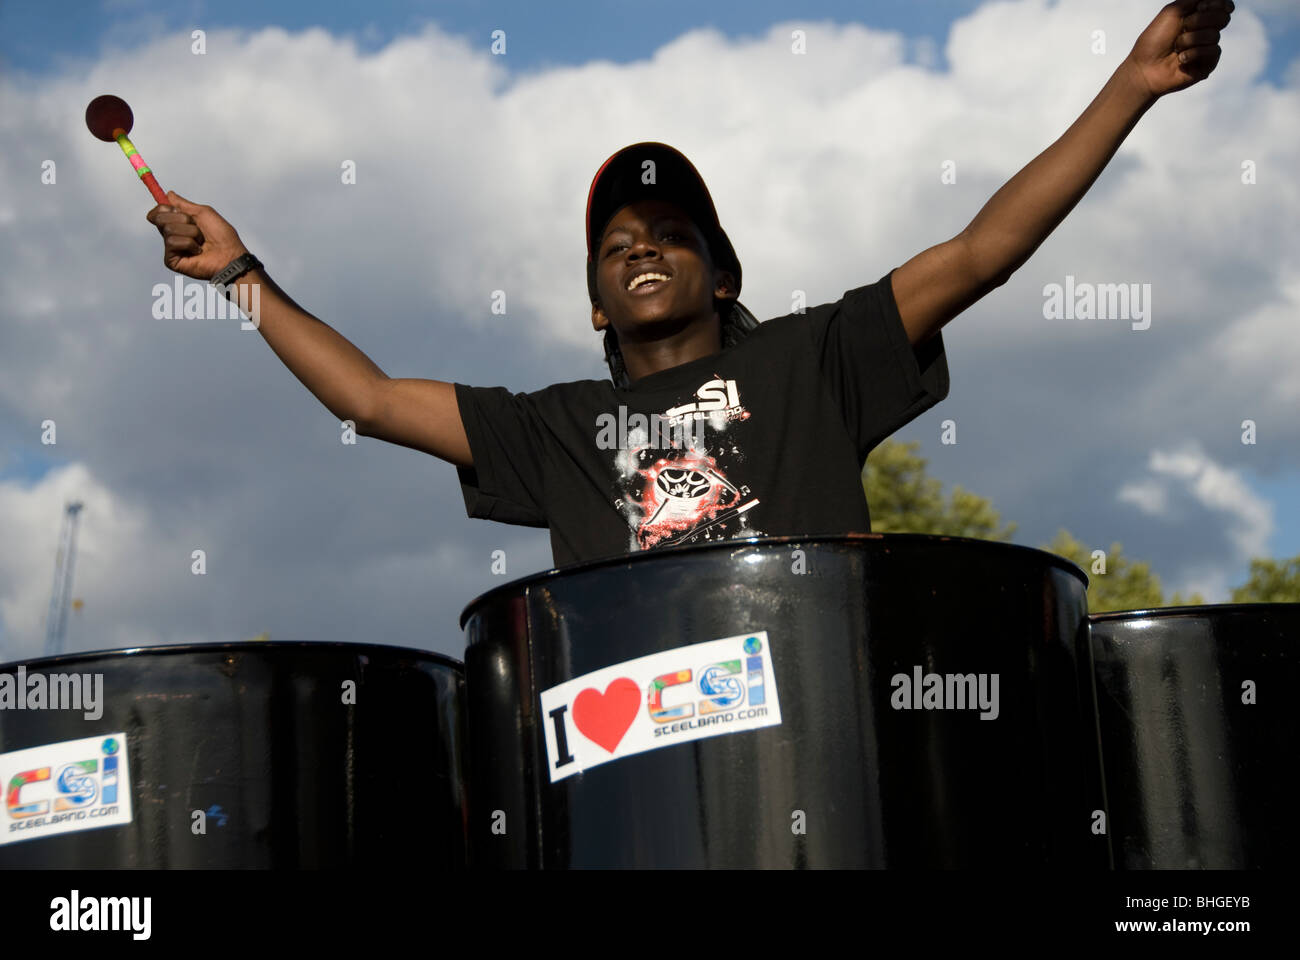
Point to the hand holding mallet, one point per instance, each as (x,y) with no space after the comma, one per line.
(197,242)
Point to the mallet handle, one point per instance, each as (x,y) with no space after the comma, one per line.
(141,168)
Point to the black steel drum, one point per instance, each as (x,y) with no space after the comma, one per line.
(298,755)
(863,770)
(1199,734)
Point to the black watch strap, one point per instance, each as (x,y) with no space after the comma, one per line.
(236,268)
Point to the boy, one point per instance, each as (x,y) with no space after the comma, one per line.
(712,426)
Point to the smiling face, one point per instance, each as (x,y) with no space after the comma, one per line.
(655,237)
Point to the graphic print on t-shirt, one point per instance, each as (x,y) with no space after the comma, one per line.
(682,493)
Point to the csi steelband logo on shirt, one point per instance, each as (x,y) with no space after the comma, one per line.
(680,494)
(65,787)
(717,400)
(701,690)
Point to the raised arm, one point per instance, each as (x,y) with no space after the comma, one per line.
(421,414)
(1178,49)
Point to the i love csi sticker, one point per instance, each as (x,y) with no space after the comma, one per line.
(701,690)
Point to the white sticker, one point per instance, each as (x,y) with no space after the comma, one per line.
(65,787)
(701,690)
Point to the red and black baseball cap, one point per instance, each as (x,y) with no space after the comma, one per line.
(622,180)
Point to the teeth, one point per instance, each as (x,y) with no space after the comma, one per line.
(645,278)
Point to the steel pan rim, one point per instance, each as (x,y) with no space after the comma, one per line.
(238,646)
(859,539)
(1187,610)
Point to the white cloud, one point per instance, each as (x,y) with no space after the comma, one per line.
(1282,9)
(1147,496)
(1190,472)
(1213,584)
(1262,347)
(112,540)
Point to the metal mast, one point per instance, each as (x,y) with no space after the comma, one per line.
(57,621)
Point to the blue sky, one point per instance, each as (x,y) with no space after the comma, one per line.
(43,37)
(179,435)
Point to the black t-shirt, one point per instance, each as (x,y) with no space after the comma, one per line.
(766,438)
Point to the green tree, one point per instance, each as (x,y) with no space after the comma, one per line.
(1271,581)
(904,499)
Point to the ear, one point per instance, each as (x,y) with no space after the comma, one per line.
(724,285)
(598,319)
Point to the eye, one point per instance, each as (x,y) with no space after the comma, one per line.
(670,235)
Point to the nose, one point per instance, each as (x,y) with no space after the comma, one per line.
(642,247)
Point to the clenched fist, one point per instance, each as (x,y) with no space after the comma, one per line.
(197,242)
(1181,46)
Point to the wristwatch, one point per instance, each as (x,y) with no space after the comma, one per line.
(236,268)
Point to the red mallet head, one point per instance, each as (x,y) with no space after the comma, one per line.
(107,116)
